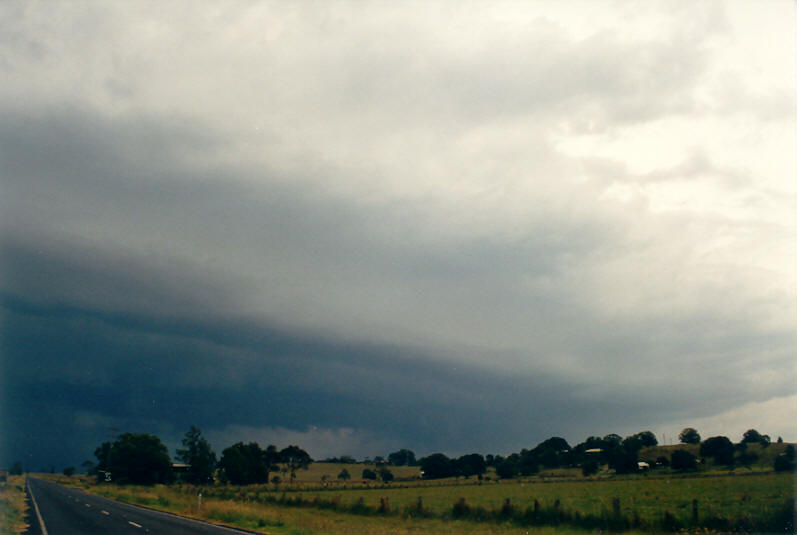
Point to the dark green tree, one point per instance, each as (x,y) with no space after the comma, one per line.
(69,471)
(719,448)
(369,474)
(683,460)
(16,469)
(386,475)
(646,438)
(689,436)
(437,466)
(137,458)
(200,457)
(295,458)
(472,464)
(751,436)
(344,475)
(506,468)
(244,464)
(402,457)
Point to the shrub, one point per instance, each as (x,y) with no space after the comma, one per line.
(683,460)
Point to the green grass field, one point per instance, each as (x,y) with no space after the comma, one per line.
(748,502)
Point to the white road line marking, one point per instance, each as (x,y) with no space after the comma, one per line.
(106,513)
(36,507)
(133,524)
(88,505)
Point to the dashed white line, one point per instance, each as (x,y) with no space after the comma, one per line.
(133,524)
(88,505)
(105,512)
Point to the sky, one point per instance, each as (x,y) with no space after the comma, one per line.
(366,226)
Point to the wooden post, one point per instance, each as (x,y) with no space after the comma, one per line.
(695,515)
(199,501)
(616,507)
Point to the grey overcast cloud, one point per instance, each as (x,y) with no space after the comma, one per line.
(364,226)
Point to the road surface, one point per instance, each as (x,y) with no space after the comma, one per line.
(66,511)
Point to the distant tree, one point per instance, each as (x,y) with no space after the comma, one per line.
(244,464)
(138,458)
(472,464)
(276,480)
(719,448)
(689,436)
(386,475)
(765,441)
(624,460)
(69,471)
(402,457)
(344,475)
(683,460)
(506,469)
(556,444)
(612,438)
(751,436)
(646,438)
(780,440)
(347,459)
(789,453)
(437,466)
(369,474)
(16,469)
(200,457)
(295,458)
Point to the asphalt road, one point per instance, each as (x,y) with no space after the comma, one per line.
(66,511)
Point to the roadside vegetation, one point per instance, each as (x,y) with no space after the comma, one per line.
(13,506)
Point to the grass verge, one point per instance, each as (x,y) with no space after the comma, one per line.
(13,506)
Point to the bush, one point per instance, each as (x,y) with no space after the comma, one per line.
(369,474)
(683,460)
(720,448)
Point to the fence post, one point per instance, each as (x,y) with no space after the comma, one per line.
(616,507)
(199,501)
(694,511)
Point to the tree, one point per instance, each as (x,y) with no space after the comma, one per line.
(720,448)
(369,474)
(402,457)
(556,444)
(751,436)
(472,464)
(683,460)
(506,469)
(200,457)
(16,469)
(295,458)
(69,471)
(245,464)
(437,466)
(138,458)
(646,438)
(386,475)
(344,475)
(689,436)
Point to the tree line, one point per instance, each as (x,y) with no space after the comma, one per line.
(143,459)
